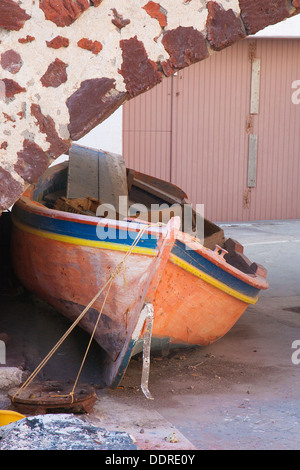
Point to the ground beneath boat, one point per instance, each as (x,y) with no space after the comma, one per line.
(239,393)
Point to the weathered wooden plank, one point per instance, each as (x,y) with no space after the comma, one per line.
(113,181)
(255,86)
(83,173)
(98,175)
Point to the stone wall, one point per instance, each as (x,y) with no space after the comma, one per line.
(66,65)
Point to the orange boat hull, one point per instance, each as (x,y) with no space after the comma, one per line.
(191,306)
(190,311)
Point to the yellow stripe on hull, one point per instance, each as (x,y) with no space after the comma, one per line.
(210,280)
(82,241)
(139,250)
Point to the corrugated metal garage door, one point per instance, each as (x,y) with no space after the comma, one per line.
(194,130)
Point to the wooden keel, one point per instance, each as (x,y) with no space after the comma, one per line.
(114,370)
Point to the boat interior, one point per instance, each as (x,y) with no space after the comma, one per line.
(91,179)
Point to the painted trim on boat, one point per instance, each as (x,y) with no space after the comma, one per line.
(68,231)
(81,241)
(210,280)
(245,284)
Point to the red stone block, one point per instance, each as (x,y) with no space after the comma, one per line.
(185,46)
(224,28)
(12,16)
(63,12)
(11,61)
(32,161)
(55,75)
(26,40)
(10,189)
(257,14)
(46,125)
(93,102)
(94,46)
(118,20)
(156,11)
(139,72)
(58,42)
(12,88)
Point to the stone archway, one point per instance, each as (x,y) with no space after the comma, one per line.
(66,65)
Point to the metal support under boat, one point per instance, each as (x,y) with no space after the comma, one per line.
(147,350)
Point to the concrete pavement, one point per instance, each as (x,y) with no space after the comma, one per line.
(261,411)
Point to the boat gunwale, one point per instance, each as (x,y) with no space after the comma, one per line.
(39,209)
(254,280)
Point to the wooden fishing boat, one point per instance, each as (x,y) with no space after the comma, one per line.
(64,253)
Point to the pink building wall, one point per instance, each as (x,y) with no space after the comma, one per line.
(193,130)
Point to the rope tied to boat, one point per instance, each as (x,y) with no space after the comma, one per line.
(120,267)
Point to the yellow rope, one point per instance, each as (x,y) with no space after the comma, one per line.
(75,323)
(88,347)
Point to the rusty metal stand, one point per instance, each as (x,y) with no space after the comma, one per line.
(53,397)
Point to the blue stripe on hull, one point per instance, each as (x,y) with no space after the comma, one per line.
(83,231)
(124,237)
(200,262)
